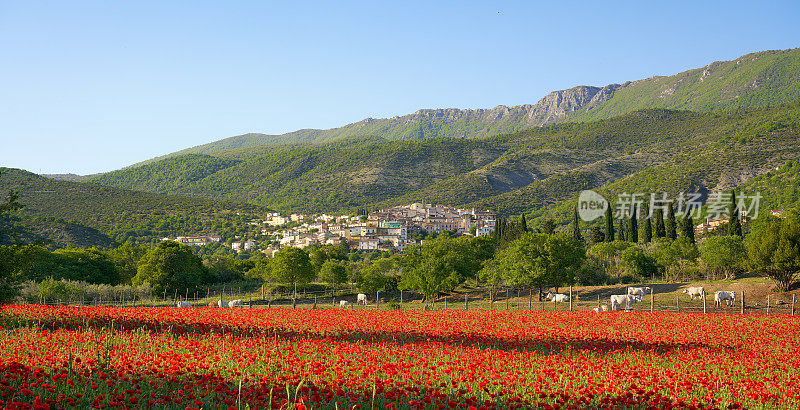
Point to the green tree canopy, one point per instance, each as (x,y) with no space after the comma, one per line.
(773,247)
(333,273)
(724,254)
(171,266)
(537,260)
(442,264)
(291,266)
(635,262)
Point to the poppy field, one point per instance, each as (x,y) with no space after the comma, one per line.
(64,357)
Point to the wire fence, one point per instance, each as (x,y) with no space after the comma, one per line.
(496,299)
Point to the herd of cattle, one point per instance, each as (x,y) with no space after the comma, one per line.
(635,295)
(618,302)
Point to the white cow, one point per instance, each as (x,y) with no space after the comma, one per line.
(222,303)
(184,304)
(558,297)
(626,300)
(235,303)
(639,291)
(695,291)
(361,298)
(601,308)
(724,296)
(344,304)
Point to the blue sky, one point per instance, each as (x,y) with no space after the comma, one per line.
(92,86)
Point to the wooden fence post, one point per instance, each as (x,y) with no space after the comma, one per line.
(507,299)
(677,305)
(767,304)
(401,298)
(530,299)
(315,302)
(704,302)
(518,299)
(445,302)
(793,297)
(466,302)
(570,298)
(377,298)
(742,302)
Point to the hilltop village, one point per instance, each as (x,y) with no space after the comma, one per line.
(390,229)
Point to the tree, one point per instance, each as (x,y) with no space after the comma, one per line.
(334,273)
(9,277)
(87,265)
(126,259)
(621,231)
(291,266)
(734,224)
(633,261)
(549,226)
(648,226)
(672,233)
(61,290)
(674,255)
(661,231)
(773,247)
(597,235)
(537,260)
(633,226)
(523,224)
(609,225)
(8,205)
(724,254)
(171,266)
(442,264)
(576,228)
(688,226)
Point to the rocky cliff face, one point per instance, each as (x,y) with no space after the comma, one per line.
(554,107)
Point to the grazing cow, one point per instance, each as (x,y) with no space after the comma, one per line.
(344,304)
(235,303)
(361,298)
(695,291)
(601,308)
(184,304)
(558,297)
(724,296)
(639,291)
(627,300)
(222,303)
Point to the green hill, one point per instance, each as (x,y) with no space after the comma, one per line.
(528,171)
(92,214)
(755,80)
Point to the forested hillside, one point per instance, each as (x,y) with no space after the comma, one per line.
(523,172)
(755,80)
(92,214)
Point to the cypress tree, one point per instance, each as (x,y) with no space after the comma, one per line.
(609,225)
(734,225)
(523,224)
(621,230)
(633,227)
(597,235)
(576,228)
(661,232)
(672,233)
(648,226)
(688,226)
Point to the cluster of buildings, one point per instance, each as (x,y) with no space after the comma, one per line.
(712,224)
(387,229)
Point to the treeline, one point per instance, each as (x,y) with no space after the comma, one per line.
(56,211)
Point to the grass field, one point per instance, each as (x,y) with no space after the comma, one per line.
(52,357)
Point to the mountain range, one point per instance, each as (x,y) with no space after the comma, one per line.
(714,127)
(752,80)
